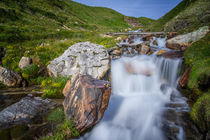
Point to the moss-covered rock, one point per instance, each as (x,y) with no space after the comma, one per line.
(200,112)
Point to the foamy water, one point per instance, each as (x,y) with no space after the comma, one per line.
(137,100)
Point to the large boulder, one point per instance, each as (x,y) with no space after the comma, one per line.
(23,111)
(24,62)
(86,101)
(177,42)
(83,58)
(11,78)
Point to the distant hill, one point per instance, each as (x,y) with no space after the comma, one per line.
(44,29)
(29,20)
(186,16)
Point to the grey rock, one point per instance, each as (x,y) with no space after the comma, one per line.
(83,58)
(24,62)
(178,41)
(25,110)
(11,78)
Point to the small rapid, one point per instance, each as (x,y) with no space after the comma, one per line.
(144,88)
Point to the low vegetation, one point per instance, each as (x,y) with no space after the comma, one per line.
(185,17)
(52,87)
(64,131)
(200,112)
(197,56)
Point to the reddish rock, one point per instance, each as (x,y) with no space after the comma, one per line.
(86,101)
(184,79)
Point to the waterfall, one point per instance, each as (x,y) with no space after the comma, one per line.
(141,87)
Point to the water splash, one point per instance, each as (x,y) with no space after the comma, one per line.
(138,100)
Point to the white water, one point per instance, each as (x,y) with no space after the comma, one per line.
(137,102)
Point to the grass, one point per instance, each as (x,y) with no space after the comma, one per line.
(30,71)
(185,17)
(52,87)
(56,116)
(197,56)
(146,22)
(39,28)
(64,131)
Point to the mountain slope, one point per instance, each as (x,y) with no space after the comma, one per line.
(45,28)
(186,16)
(22,20)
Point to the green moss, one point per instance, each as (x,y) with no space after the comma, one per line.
(56,116)
(200,112)
(197,56)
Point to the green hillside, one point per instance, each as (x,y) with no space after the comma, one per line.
(27,24)
(145,21)
(186,16)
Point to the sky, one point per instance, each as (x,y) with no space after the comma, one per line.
(136,8)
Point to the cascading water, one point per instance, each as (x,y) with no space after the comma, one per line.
(143,89)
(138,99)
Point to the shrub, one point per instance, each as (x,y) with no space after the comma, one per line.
(52,86)
(56,115)
(30,71)
(64,131)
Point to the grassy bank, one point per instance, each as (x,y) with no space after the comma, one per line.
(197,56)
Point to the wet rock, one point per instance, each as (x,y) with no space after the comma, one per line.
(155,42)
(25,110)
(184,79)
(83,58)
(178,41)
(11,78)
(172,54)
(144,49)
(116,52)
(161,52)
(24,62)
(147,37)
(86,101)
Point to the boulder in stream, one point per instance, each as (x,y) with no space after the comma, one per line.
(83,58)
(177,42)
(11,78)
(86,100)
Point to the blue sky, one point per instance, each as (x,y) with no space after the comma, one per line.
(137,8)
